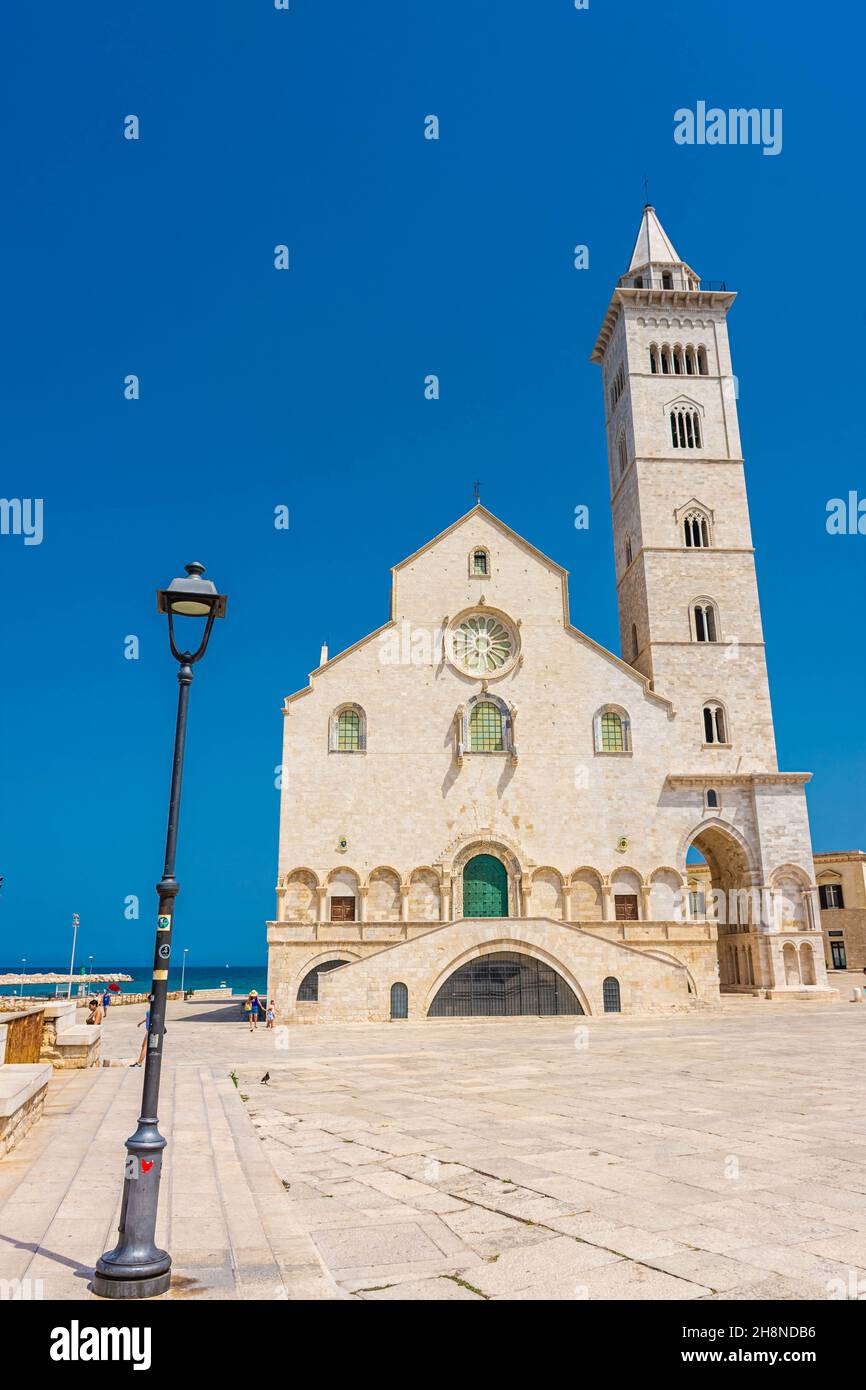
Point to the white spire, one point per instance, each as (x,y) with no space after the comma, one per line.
(323,659)
(653,244)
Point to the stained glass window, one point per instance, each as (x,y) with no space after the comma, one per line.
(485,728)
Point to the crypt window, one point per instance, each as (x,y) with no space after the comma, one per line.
(610,995)
(830,895)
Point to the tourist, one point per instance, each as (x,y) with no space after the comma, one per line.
(270,1015)
(106,1000)
(254,1010)
(141,1055)
(95,1011)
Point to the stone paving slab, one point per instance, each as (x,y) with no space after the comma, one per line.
(694,1157)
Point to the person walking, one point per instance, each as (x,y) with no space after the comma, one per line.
(254,1010)
(141,1055)
(106,1001)
(270,1014)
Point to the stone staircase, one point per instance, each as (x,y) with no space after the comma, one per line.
(224,1213)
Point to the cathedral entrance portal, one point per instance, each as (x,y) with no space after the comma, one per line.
(504,984)
(485,887)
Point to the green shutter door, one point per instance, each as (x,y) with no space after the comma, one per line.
(485,887)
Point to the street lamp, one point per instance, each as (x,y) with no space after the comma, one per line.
(183,969)
(136,1268)
(23,963)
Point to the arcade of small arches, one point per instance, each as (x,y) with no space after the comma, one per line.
(486,879)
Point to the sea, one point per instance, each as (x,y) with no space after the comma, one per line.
(240,978)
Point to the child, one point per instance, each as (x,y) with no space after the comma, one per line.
(270,1015)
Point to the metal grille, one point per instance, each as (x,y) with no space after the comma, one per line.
(349,732)
(504,984)
(309,990)
(485,728)
(610,995)
(399,1000)
(612,740)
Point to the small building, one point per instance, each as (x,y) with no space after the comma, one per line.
(841,879)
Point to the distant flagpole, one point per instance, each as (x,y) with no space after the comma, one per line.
(72,962)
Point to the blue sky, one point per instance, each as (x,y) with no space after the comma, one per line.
(305,388)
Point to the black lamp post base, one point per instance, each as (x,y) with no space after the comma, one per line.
(107,1287)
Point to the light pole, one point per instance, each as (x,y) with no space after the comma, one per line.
(21,986)
(183,969)
(75,925)
(136,1268)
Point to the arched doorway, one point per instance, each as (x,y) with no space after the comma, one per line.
(485,887)
(720,890)
(504,984)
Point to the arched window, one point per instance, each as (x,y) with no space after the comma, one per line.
(479,562)
(666,360)
(705,619)
(399,1000)
(309,988)
(486,734)
(610,995)
(691,362)
(712,799)
(715,723)
(348,730)
(612,731)
(703,370)
(678,361)
(685,428)
(622,452)
(654,359)
(696,530)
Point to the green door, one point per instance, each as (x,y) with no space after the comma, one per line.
(485,887)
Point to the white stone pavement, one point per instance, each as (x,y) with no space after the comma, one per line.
(715,1156)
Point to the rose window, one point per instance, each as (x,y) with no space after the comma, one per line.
(482,644)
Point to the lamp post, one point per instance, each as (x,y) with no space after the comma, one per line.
(21,986)
(75,925)
(136,1268)
(183,968)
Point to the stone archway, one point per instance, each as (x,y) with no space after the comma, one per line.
(727,879)
(455,861)
(504,983)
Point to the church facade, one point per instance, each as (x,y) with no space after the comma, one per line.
(485,813)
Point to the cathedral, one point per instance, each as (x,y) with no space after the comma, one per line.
(486,813)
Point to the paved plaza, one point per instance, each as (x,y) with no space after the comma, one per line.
(712,1156)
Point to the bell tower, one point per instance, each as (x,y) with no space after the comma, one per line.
(687,592)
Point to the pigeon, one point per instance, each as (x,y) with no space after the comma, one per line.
(266,1079)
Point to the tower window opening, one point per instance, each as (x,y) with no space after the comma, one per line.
(696,531)
(667,280)
(705,622)
(715,724)
(685,428)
